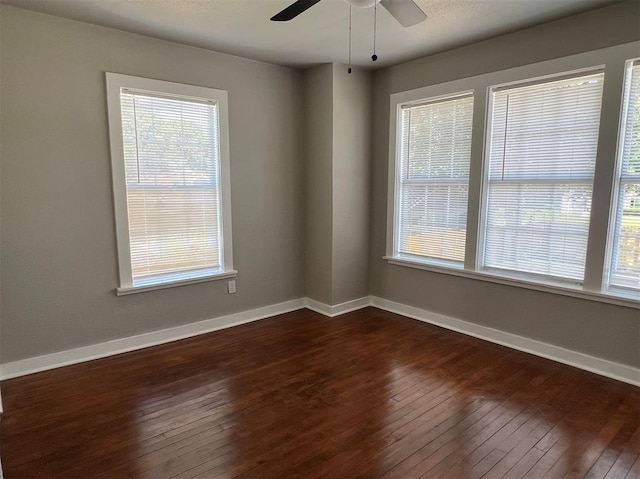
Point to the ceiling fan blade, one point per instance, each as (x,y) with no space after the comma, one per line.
(293,10)
(405,11)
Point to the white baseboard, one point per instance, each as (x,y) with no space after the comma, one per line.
(140,341)
(603,367)
(338,309)
(153,338)
(599,366)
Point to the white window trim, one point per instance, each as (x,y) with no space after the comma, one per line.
(618,181)
(613,60)
(115,82)
(557,180)
(396,167)
(561,289)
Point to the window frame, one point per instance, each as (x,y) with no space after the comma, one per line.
(612,60)
(115,83)
(484,200)
(397,170)
(618,184)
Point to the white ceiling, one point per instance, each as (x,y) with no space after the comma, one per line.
(319,35)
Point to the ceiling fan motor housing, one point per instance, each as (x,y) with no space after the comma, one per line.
(407,12)
(362,3)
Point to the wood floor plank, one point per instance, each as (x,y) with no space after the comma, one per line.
(634,471)
(369,394)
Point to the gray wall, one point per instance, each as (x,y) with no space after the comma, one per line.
(318,107)
(352,124)
(602,330)
(295,201)
(59,267)
(338,140)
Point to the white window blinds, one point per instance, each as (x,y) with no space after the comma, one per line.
(624,270)
(171,155)
(542,142)
(435,145)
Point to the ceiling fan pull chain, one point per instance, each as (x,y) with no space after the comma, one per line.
(349,38)
(374,57)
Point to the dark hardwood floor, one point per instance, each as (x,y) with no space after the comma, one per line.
(367,395)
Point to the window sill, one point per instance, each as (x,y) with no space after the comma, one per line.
(182,282)
(564,290)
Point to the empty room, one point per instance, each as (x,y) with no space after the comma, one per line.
(274,239)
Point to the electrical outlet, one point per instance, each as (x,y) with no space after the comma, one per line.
(231,286)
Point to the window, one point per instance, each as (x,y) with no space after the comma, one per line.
(542,139)
(624,241)
(434,141)
(508,196)
(170,164)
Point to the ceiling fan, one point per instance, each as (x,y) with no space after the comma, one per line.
(405,11)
